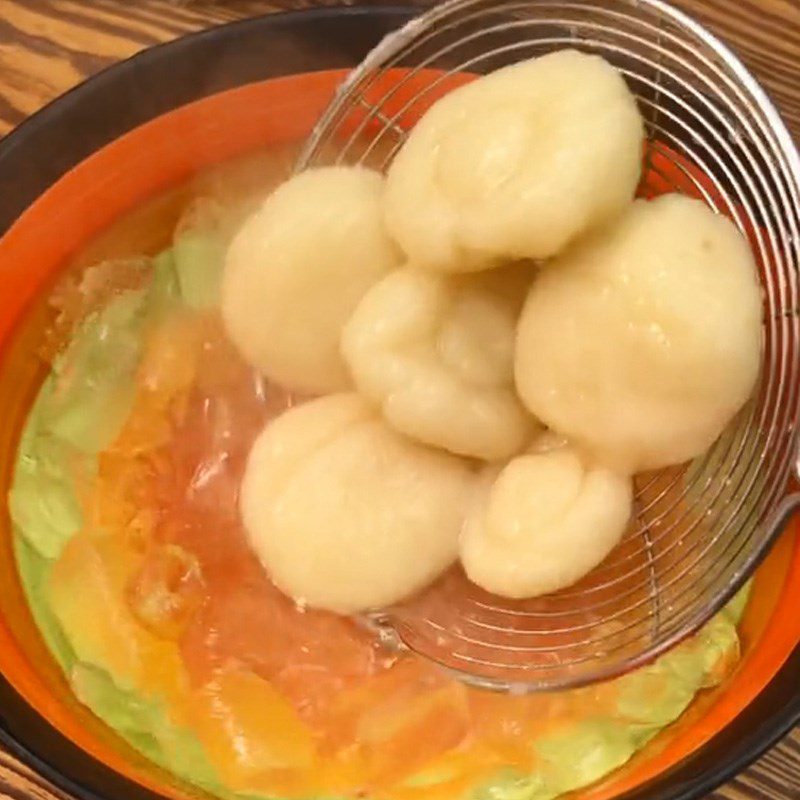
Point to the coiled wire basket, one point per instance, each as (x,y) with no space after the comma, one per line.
(700,530)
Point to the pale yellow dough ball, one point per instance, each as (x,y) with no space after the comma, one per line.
(436,353)
(642,341)
(297,269)
(516,164)
(542,522)
(346,514)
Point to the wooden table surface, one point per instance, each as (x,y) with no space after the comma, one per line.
(47,46)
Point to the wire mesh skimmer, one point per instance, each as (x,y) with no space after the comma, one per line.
(699,530)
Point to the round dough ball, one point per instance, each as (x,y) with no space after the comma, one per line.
(643,341)
(344,513)
(436,353)
(297,269)
(542,522)
(516,164)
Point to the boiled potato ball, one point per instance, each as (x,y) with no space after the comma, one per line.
(638,340)
(297,269)
(435,352)
(642,341)
(516,164)
(542,522)
(346,514)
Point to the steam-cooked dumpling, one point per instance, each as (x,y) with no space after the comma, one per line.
(436,352)
(345,513)
(542,522)
(516,164)
(297,269)
(642,341)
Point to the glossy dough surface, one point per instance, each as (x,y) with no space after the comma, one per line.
(297,269)
(516,164)
(436,353)
(344,513)
(641,342)
(542,522)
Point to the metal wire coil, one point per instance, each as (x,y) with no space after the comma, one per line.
(700,530)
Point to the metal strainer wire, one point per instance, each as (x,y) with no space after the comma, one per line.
(699,530)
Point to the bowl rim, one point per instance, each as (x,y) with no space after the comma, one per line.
(773,713)
(42,120)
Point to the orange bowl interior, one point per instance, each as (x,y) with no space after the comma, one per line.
(145,163)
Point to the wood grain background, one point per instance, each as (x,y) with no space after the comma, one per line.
(48,46)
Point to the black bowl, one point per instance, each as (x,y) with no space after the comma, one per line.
(42,149)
